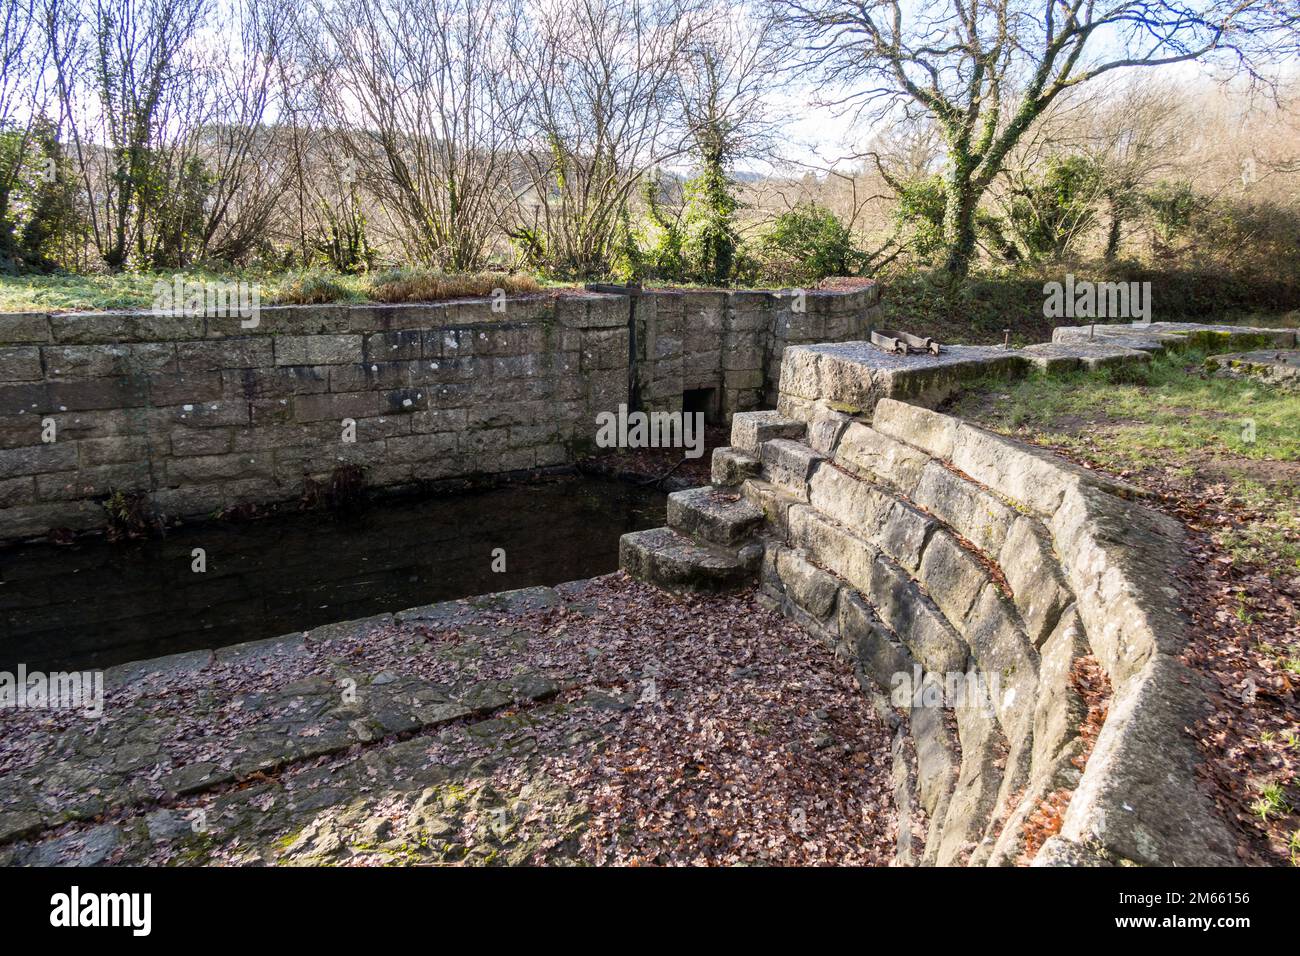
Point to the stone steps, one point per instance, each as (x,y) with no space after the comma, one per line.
(713,515)
(677,562)
(789,464)
(731,467)
(709,543)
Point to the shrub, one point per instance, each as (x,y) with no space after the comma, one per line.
(1172,206)
(805,245)
(130,515)
(428,285)
(313,287)
(660,241)
(343,243)
(710,220)
(1047,213)
(38,200)
(918,217)
(1247,237)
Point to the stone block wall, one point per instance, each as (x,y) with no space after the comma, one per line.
(201,414)
(936,555)
(733,342)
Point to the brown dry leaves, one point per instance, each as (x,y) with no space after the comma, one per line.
(1092,685)
(747,742)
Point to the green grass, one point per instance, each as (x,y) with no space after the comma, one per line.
(1172,418)
(70,293)
(128,290)
(80,292)
(1272,802)
(1146,413)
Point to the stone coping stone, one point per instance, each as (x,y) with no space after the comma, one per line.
(1067,356)
(573,309)
(1279,366)
(854,376)
(1157,336)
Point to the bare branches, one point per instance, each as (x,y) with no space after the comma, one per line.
(421,98)
(599,115)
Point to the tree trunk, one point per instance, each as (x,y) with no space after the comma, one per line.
(960,202)
(1113,234)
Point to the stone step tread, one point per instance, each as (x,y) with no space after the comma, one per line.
(751,430)
(676,561)
(789,464)
(731,466)
(717,516)
(1103,353)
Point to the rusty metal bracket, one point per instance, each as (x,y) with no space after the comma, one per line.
(904,343)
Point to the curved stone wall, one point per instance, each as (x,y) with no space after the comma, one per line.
(942,557)
(1011,614)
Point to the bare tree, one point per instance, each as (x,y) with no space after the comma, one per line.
(600,115)
(125,79)
(23,59)
(985,71)
(729,70)
(244,159)
(419,95)
(1133,139)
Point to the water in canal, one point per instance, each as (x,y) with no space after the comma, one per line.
(94,604)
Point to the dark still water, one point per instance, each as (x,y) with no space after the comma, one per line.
(94,604)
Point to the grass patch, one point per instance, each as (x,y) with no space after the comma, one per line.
(315,286)
(83,293)
(425,285)
(1141,414)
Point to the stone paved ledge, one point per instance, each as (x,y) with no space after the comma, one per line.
(589,723)
(1277,366)
(1068,356)
(1157,336)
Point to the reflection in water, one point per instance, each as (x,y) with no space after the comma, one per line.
(94,604)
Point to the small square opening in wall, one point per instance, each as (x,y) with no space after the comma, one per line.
(702,400)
